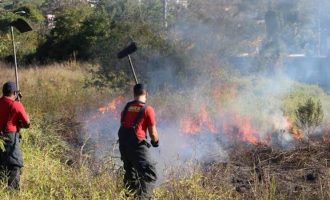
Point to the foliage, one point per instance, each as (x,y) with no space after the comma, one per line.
(94,35)
(63,41)
(309,116)
(27,42)
(32,12)
(49,6)
(97,34)
(2,145)
(110,28)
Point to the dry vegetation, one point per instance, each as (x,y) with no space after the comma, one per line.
(260,172)
(54,95)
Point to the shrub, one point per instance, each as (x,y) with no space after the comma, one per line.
(309,116)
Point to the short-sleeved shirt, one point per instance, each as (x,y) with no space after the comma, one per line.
(12,113)
(148,118)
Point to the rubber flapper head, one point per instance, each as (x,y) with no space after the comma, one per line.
(127,51)
(21,25)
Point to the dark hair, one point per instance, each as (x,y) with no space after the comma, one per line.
(139,89)
(8,88)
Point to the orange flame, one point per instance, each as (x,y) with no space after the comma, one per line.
(326,138)
(294,131)
(242,128)
(238,126)
(196,124)
(112,106)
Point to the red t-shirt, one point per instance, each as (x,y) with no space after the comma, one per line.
(11,112)
(147,119)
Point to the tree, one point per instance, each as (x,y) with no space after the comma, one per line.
(63,41)
(32,12)
(111,27)
(94,34)
(27,42)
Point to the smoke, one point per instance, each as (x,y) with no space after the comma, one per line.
(204,106)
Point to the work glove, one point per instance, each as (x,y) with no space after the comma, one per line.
(18,96)
(155,143)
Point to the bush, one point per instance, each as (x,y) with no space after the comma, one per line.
(309,116)
(63,42)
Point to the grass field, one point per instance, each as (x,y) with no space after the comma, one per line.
(55,95)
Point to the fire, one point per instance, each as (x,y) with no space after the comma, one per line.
(326,138)
(238,126)
(294,131)
(198,123)
(112,107)
(241,128)
(235,126)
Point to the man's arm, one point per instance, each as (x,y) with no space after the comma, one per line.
(23,118)
(153,133)
(151,120)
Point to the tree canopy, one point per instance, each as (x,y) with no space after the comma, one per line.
(202,33)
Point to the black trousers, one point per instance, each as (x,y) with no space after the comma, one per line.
(140,172)
(11,160)
(12,175)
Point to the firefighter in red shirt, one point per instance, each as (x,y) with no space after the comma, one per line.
(12,118)
(137,118)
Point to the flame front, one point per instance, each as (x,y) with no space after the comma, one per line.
(236,127)
(112,107)
(198,123)
(232,124)
(294,130)
(240,127)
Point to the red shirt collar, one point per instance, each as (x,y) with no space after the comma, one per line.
(8,98)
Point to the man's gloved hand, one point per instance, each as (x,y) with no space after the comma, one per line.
(155,143)
(18,96)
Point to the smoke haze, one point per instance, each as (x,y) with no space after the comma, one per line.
(202,113)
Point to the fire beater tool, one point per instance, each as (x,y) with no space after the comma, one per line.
(126,53)
(22,26)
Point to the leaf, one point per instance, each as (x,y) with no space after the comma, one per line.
(2,145)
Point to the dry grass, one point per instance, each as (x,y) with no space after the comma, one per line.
(54,95)
(258,173)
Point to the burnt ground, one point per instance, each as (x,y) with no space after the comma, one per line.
(263,171)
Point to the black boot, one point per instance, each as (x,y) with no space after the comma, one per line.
(14,178)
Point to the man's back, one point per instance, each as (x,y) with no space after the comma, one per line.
(147,119)
(11,112)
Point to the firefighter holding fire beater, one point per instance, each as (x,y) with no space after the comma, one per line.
(12,118)
(136,119)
